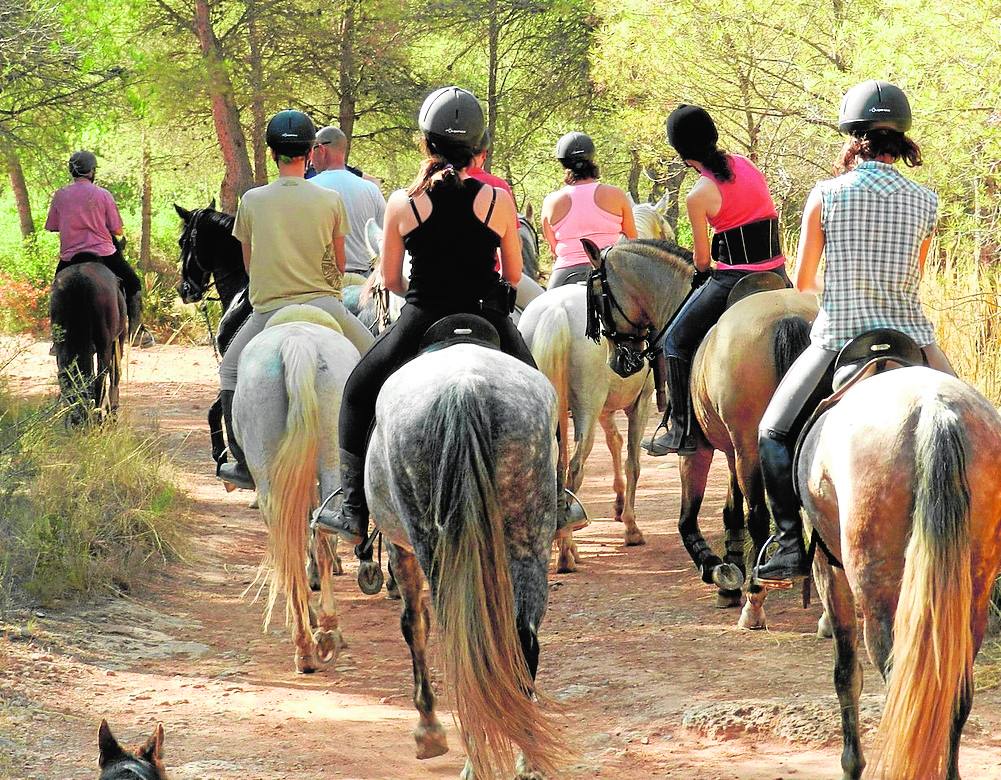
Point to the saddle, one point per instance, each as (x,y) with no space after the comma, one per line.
(459,329)
(759,281)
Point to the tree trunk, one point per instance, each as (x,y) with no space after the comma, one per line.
(21,199)
(635,168)
(676,172)
(146,207)
(225,115)
(257,98)
(346,79)
(493,40)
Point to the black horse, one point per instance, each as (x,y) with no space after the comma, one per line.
(88,318)
(210,255)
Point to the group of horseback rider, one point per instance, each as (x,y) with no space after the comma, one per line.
(460,227)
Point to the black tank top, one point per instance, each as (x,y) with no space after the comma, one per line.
(453,254)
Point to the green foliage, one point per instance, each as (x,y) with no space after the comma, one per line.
(81,509)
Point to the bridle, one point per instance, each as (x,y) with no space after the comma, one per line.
(190,289)
(134,768)
(632,349)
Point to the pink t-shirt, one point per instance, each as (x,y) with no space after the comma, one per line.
(585,219)
(85,216)
(745,199)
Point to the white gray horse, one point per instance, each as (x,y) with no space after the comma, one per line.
(553,327)
(288,395)
(472,508)
(651,222)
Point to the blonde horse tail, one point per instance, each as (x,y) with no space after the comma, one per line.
(932,661)
(293,481)
(551,350)
(474,595)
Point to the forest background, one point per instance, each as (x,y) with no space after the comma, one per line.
(173,95)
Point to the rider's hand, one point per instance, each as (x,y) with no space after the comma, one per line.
(700,278)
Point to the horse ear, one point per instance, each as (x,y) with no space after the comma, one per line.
(529,212)
(593,253)
(182,213)
(661,205)
(212,205)
(152,751)
(110,750)
(373,237)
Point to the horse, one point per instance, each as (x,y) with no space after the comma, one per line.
(734,374)
(650,221)
(901,482)
(142,762)
(554,327)
(89,321)
(285,410)
(529,244)
(472,509)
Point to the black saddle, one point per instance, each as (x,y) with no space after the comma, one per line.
(759,281)
(875,349)
(460,329)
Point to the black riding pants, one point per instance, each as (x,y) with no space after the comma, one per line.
(118,265)
(399,343)
(700,312)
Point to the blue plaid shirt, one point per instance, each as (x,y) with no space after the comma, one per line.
(874,222)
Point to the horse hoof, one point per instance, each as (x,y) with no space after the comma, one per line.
(305,664)
(824,628)
(255,503)
(566,565)
(726,576)
(328,645)
(727,599)
(369,577)
(634,538)
(751,619)
(392,590)
(337,568)
(431,741)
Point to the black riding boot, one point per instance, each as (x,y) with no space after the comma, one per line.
(680,435)
(235,472)
(789,562)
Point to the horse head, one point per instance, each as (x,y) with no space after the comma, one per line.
(143,762)
(200,260)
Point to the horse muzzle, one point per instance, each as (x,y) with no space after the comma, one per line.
(190,292)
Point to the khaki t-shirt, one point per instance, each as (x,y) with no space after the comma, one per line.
(290,224)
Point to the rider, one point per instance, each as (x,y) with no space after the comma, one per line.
(584,208)
(731,196)
(452,226)
(292,234)
(874,226)
(362,199)
(90,230)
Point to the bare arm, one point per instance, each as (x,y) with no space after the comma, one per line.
(923,255)
(628,221)
(547,225)
(504,221)
(695,203)
(811,246)
(391,259)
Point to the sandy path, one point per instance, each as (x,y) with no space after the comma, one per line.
(655,681)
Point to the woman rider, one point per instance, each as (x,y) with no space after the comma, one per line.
(874,225)
(732,197)
(292,233)
(584,208)
(452,225)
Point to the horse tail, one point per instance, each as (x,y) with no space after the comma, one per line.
(791,337)
(293,480)
(551,350)
(932,660)
(473,593)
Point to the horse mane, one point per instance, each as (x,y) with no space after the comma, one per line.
(218,218)
(658,249)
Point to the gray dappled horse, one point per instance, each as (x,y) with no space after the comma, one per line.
(651,222)
(554,327)
(471,507)
(901,480)
(285,411)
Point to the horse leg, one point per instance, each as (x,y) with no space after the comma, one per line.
(636,415)
(694,470)
(735,538)
(327,636)
(415,622)
(583,425)
(839,604)
(748,470)
(613,439)
(392,589)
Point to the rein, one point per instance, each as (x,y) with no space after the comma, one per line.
(211,275)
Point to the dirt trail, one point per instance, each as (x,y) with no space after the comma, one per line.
(656,681)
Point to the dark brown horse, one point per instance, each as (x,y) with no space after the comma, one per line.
(902,481)
(89,322)
(142,762)
(734,374)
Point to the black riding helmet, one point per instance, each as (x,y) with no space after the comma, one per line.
(82,163)
(574,146)
(452,118)
(873,105)
(692,132)
(290,133)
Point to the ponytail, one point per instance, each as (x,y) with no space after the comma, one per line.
(579,169)
(876,143)
(439,158)
(717,162)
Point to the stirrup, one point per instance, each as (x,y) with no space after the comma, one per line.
(583,519)
(772,584)
(648,444)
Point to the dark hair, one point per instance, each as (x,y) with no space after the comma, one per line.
(717,162)
(876,143)
(579,169)
(439,156)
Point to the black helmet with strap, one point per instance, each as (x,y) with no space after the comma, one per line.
(82,163)
(692,132)
(291,133)
(872,105)
(574,146)
(452,119)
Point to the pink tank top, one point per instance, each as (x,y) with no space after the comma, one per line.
(745,199)
(584,220)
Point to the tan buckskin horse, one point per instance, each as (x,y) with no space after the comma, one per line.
(902,481)
(734,374)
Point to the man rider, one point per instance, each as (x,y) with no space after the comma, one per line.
(90,230)
(475,169)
